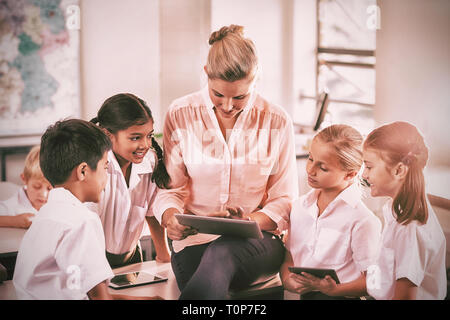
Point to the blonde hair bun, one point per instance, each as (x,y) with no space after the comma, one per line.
(224,31)
(231,56)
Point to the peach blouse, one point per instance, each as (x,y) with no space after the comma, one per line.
(254,167)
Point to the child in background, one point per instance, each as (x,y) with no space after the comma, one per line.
(136,171)
(62,255)
(19,210)
(411,264)
(330,227)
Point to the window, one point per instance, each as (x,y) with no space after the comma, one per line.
(346,61)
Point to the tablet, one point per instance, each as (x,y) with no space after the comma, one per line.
(133,279)
(222,226)
(319,273)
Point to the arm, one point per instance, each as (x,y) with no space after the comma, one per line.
(404,290)
(174,197)
(291,281)
(264,221)
(158,234)
(168,202)
(19,221)
(282,185)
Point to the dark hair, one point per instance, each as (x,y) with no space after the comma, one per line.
(68,143)
(401,142)
(124,110)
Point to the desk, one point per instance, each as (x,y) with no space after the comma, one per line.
(10,239)
(167,289)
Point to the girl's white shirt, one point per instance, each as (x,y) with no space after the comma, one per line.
(414,251)
(17,204)
(345,237)
(123,209)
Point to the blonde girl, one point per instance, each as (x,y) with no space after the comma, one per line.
(411,264)
(330,227)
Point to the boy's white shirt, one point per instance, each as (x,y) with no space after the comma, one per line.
(345,237)
(413,251)
(62,255)
(123,209)
(17,204)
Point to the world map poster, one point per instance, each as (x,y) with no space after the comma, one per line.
(39,64)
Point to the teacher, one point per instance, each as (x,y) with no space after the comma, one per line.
(229,153)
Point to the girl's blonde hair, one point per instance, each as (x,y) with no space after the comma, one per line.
(347,143)
(401,142)
(32,168)
(231,56)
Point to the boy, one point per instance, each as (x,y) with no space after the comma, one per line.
(19,210)
(62,255)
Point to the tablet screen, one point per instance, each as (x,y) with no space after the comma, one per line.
(132,279)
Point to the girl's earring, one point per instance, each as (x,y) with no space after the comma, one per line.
(25,187)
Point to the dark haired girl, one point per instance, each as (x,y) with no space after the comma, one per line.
(136,171)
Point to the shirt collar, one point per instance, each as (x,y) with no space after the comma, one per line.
(145,167)
(62,195)
(389,215)
(350,195)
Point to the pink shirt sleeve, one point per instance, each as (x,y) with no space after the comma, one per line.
(282,186)
(173,159)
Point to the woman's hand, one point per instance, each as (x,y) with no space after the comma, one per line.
(175,230)
(230,213)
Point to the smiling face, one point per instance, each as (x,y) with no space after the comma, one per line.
(323,169)
(132,144)
(379,176)
(230,98)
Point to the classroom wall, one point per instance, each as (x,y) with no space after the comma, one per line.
(120,52)
(413,70)
(184,31)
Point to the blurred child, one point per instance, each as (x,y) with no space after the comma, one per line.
(62,255)
(136,172)
(330,227)
(411,264)
(19,210)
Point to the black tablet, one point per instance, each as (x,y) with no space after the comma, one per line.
(222,226)
(133,279)
(317,272)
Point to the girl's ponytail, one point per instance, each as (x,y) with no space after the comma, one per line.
(160,175)
(411,203)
